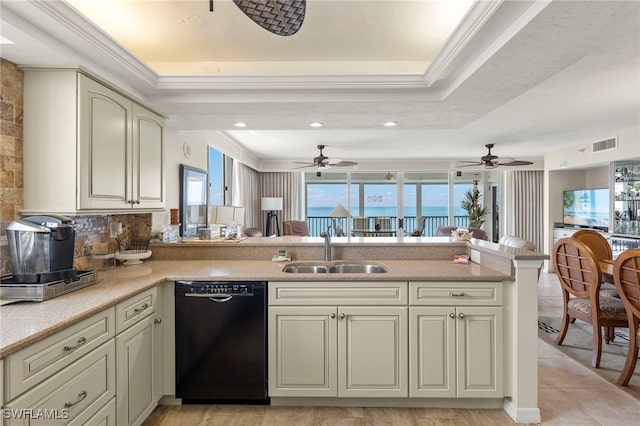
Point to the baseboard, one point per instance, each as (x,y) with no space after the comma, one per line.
(521,415)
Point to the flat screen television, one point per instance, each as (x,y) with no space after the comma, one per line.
(586,207)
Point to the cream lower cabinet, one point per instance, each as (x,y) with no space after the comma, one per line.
(138,357)
(338,350)
(456,350)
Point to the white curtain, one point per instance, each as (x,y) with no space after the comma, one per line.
(245,193)
(523,212)
(289,186)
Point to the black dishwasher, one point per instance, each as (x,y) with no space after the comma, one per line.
(221,342)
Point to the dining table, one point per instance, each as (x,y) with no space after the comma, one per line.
(606,267)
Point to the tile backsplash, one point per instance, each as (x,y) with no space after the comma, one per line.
(93,236)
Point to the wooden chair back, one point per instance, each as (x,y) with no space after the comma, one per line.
(577,268)
(596,242)
(626,275)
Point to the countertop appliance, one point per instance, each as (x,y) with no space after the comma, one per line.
(41,249)
(12,290)
(221,342)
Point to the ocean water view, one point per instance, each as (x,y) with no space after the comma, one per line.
(388,211)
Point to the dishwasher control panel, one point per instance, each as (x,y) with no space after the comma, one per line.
(204,287)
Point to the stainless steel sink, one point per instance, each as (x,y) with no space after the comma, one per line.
(335,268)
(306,269)
(358,268)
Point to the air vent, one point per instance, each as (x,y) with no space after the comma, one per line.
(604,145)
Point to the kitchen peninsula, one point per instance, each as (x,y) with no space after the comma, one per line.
(420,268)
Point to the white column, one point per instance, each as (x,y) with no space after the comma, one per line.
(522,356)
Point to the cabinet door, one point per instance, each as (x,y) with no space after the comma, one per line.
(372,351)
(104,147)
(302,351)
(135,362)
(479,348)
(432,351)
(148,161)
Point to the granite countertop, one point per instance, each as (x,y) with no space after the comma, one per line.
(25,323)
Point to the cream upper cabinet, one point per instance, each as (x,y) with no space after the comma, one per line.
(88,147)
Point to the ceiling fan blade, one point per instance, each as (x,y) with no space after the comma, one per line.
(307,165)
(503,160)
(281,17)
(471,163)
(517,163)
(342,163)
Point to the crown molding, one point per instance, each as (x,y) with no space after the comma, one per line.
(92,38)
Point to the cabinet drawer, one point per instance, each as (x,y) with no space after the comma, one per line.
(106,416)
(33,364)
(455,293)
(338,293)
(80,389)
(135,308)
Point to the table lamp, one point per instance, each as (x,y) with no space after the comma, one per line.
(270,204)
(338,213)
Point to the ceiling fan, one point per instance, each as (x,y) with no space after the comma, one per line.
(322,161)
(281,17)
(491,161)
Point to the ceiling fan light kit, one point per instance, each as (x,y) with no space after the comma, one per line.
(491,161)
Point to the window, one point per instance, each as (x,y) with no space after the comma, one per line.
(216,177)
(434,196)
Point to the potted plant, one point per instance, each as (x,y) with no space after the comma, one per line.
(471,203)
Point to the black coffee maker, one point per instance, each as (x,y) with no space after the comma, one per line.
(41,249)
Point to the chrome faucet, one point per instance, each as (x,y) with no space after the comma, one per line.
(327,245)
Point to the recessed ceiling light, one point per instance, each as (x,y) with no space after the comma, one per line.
(240,124)
(316,124)
(390,124)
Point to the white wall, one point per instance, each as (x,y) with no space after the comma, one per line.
(198,142)
(576,168)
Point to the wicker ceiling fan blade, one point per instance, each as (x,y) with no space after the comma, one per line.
(517,163)
(281,17)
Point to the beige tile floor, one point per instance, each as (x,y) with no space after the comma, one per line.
(569,394)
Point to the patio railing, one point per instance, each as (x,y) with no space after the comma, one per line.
(318,224)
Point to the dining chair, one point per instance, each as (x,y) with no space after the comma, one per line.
(626,275)
(579,275)
(295,227)
(602,251)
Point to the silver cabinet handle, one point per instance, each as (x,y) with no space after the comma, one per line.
(333,315)
(452,294)
(452,315)
(157,321)
(461,315)
(342,315)
(141,308)
(221,298)
(82,395)
(81,341)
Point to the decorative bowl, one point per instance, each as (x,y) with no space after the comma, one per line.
(461,235)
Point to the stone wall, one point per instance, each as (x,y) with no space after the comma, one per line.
(92,232)
(11,108)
